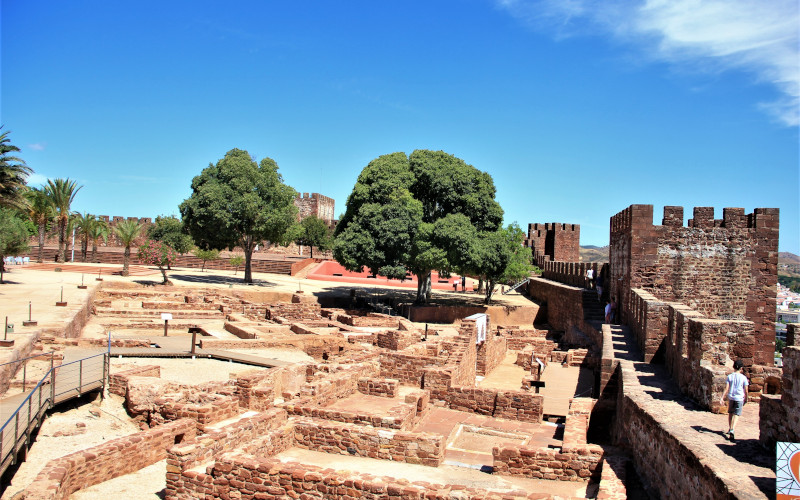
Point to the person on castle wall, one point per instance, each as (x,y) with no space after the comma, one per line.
(589,278)
(736,392)
(599,285)
(611,311)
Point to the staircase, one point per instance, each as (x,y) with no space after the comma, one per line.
(593,311)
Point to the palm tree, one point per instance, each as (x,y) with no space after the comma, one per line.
(99,230)
(127,231)
(62,193)
(13,173)
(85,224)
(40,211)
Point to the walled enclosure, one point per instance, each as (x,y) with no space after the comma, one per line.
(725,269)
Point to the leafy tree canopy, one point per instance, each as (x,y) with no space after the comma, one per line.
(239,203)
(170,230)
(13,174)
(160,254)
(314,232)
(417,213)
(13,236)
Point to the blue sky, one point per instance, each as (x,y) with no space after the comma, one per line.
(576,108)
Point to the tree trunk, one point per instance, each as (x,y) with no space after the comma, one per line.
(164,275)
(84,248)
(312,251)
(126,257)
(2,268)
(248,258)
(62,236)
(489,292)
(41,243)
(94,251)
(423,288)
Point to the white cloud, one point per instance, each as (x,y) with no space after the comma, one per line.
(36,146)
(36,179)
(755,36)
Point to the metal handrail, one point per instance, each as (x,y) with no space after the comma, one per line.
(44,402)
(51,353)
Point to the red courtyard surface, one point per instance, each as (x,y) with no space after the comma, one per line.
(333,271)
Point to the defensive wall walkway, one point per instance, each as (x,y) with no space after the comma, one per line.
(678,447)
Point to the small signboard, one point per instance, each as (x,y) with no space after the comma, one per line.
(787,471)
(166,316)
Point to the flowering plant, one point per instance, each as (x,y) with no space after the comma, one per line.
(159,254)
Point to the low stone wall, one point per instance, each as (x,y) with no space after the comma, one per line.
(564,302)
(340,438)
(513,405)
(396,340)
(258,388)
(66,475)
(649,322)
(328,387)
(490,354)
(207,409)
(612,478)
(211,445)
(383,387)
(498,315)
(270,478)
(570,463)
(577,423)
(118,382)
(400,417)
(779,416)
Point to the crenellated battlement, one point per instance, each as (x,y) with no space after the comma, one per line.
(641,217)
(722,268)
(315,204)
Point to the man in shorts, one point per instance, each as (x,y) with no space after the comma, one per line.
(736,392)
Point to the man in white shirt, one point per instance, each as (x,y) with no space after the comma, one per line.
(736,392)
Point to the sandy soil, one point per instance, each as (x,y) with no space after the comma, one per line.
(73,427)
(185,371)
(146,484)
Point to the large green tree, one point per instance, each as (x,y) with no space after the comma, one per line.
(13,236)
(239,203)
(502,258)
(169,229)
(417,213)
(13,174)
(61,193)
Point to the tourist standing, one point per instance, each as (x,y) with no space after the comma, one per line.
(736,392)
(589,278)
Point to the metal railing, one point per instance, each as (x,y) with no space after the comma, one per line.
(60,383)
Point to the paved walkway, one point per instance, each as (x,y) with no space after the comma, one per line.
(744,464)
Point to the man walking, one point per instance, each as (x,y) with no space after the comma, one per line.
(736,392)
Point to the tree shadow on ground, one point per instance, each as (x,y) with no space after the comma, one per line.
(341,296)
(218,280)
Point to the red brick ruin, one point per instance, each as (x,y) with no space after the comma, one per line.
(690,300)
